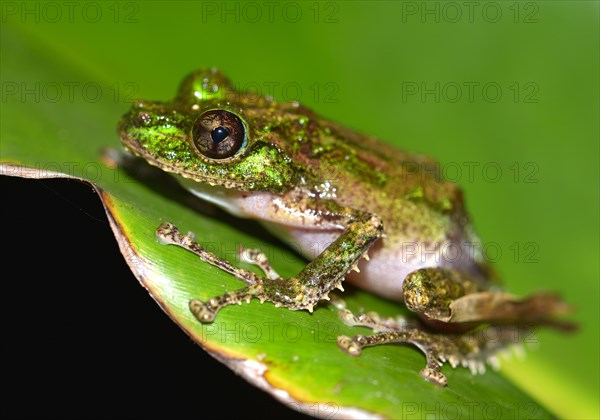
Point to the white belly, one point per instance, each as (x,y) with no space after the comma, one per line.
(388,263)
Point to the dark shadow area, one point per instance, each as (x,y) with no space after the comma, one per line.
(81,338)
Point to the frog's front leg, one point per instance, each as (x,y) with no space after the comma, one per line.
(450,296)
(313,283)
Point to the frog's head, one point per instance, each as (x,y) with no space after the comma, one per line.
(209,137)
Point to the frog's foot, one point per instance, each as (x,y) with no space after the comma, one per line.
(424,341)
(168,234)
(390,330)
(471,349)
(449,296)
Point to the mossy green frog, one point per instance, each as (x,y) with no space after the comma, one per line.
(358,208)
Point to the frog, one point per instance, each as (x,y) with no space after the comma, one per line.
(358,208)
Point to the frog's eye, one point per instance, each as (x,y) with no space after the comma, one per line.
(219,134)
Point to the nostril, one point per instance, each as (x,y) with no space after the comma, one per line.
(143,119)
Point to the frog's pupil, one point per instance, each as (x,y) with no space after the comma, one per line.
(219,134)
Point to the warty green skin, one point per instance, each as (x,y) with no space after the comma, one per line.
(319,176)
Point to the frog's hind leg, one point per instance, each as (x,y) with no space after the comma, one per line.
(471,349)
(450,296)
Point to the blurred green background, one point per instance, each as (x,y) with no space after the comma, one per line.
(504,94)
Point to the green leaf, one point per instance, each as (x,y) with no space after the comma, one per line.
(292,355)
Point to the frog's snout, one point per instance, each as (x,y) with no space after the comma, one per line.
(130,124)
(137,116)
